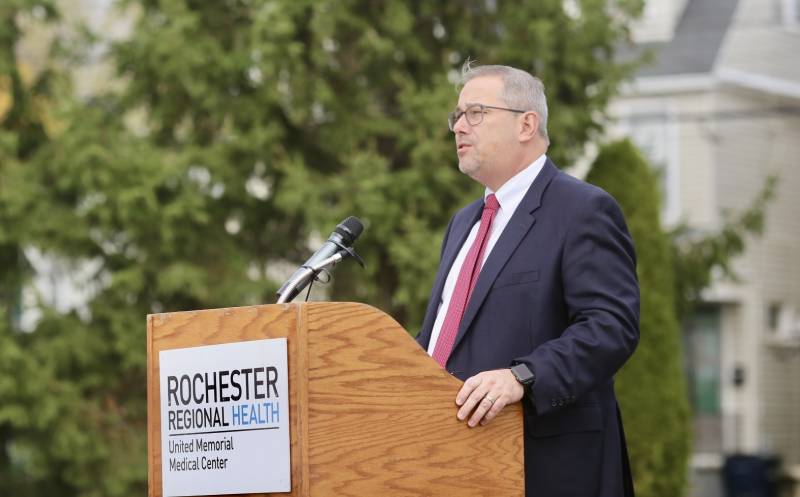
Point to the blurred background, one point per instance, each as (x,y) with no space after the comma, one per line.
(168,155)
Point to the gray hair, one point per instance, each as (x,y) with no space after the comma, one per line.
(521,90)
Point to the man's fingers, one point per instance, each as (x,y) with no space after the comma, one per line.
(467,388)
(484,395)
(498,406)
(484,406)
(469,404)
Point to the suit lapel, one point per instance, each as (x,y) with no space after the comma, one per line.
(518,226)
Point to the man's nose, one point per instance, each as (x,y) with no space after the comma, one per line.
(461,125)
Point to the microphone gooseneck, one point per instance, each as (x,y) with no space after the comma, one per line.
(336,248)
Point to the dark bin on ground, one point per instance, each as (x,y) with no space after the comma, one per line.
(751,475)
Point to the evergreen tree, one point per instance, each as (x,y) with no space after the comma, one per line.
(340,110)
(26,409)
(651,386)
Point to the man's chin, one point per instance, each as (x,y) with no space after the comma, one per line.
(468,167)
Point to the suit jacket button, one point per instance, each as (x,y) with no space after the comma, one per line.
(554,403)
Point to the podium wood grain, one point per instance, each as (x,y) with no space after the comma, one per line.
(371,413)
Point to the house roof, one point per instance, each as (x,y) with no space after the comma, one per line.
(695,46)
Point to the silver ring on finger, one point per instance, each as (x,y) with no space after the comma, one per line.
(489,398)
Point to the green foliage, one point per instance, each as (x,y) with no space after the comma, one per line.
(233,132)
(341,109)
(698,256)
(23,125)
(651,386)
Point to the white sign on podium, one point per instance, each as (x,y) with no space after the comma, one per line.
(225,419)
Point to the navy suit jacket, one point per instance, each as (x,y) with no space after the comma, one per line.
(559,293)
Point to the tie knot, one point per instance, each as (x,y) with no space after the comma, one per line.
(491,203)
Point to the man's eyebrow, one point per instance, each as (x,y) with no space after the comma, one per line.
(466,104)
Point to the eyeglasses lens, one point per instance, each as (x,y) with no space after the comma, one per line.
(473,114)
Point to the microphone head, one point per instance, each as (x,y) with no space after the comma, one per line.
(349,230)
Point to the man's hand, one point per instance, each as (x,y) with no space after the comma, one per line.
(487,393)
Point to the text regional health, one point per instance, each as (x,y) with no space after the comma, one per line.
(219,417)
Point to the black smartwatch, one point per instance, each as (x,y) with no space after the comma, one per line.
(524,375)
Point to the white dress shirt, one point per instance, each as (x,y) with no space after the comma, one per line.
(508,196)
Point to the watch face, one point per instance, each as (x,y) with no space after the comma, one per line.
(522,373)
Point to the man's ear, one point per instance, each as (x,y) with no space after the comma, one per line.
(529,126)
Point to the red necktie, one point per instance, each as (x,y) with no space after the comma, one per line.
(465,284)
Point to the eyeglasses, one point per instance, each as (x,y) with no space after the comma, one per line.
(474,114)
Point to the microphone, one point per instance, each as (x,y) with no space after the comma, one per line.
(336,248)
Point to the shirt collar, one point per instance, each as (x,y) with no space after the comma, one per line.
(511,193)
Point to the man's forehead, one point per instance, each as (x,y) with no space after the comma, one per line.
(481,90)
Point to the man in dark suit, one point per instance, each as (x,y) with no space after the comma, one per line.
(536,298)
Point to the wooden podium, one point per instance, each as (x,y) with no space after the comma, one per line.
(371,414)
